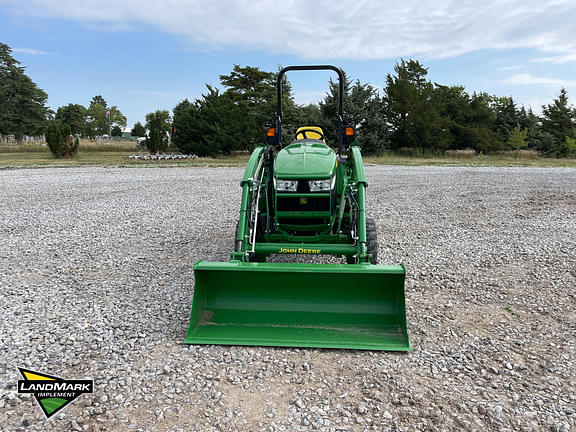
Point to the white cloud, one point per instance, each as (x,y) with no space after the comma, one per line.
(309,97)
(112,27)
(352,29)
(30,51)
(527,79)
(559,59)
(509,68)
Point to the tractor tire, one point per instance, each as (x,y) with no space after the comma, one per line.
(372,239)
(371,242)
(257,258)
(254,257)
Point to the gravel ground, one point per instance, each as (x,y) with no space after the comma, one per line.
(96,277)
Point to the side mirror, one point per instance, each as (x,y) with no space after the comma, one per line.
(349,135)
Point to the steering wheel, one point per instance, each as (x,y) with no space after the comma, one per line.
(317,132)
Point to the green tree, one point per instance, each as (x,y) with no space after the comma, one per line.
(138,130)
(374,133)
(471,120)
(102,118)
(367,116)
(184,123)
(290,111)
(570,145)
(329,109)
(362,110)
(116,117)
(454,106)
(517,139)
(508,116)
(481,132)
(158,125)
(309,115)
(23,108)
(211,125)
(59,140)
(558,120)
(73,115)
(96,120)
(249,85)
(254,92)
(453,102)
(536,138)
(116,131)
(99,100)
(410,109)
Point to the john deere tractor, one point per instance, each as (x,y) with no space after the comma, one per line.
(304,198)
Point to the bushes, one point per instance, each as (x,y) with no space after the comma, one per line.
(213,124)
(158,123)
(60,142)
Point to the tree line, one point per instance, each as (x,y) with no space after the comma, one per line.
(23,109)
(410,113)
(413,113)
(95,120)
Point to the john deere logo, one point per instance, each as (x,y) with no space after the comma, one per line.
(299,251)
(52,393)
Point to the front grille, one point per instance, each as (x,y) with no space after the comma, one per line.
(303,186)
(320,222)
(303,204)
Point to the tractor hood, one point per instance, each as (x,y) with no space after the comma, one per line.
(305,160)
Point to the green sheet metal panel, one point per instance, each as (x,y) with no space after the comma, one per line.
(359,306)
(305,160)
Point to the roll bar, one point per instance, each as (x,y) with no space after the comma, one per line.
(340,98)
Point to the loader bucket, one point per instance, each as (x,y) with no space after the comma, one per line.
(356,306)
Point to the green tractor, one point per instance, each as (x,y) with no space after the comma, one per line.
(302,199)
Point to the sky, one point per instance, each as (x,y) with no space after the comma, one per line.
(144,55)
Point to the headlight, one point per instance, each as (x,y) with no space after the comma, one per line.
(286,185)
(319,185)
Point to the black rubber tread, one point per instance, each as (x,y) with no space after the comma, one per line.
(236,235)
(256,258)
(371,242)
(372,239)
(252,257)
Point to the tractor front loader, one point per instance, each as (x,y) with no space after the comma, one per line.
(302,199)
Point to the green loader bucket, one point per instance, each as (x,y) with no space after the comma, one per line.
(356,306)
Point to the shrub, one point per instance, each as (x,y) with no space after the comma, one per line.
(158,123)
(60,142)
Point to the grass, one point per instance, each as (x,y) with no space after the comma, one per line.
(113,159)
(115,154)
(85,144)
(495,160)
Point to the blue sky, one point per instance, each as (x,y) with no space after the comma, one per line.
(143,55)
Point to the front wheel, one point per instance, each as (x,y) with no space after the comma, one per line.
(372,239)
(251,257)
(371,242)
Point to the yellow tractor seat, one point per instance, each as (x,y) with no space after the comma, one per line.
(310,132)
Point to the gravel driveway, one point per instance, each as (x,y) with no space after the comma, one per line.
(96,277)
